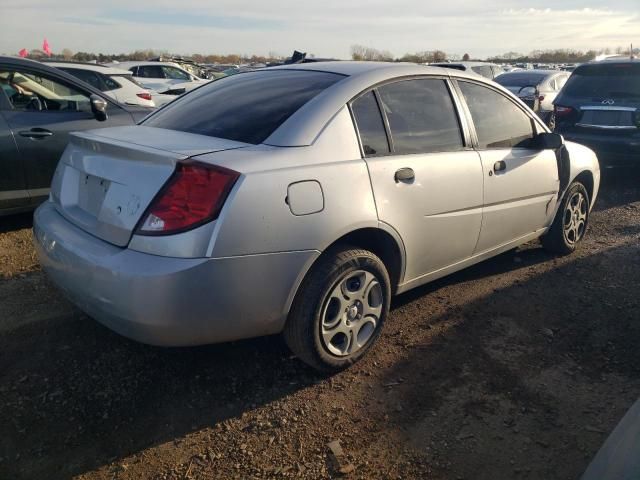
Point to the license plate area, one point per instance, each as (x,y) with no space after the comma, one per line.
(620,118)
(92,191)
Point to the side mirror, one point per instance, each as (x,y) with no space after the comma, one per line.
(99,107)
(549,141)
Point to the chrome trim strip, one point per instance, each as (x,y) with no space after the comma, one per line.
(608,107)
(607,127)
(14,194)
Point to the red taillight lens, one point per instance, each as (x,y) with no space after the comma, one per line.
(541,97)
(193,195)
(562,111)
(145,95)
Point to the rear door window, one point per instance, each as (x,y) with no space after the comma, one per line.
(373,136)
(247,107)
(421,116)
(499,122)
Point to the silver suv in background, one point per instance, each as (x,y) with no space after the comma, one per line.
(487,70)
(544,85)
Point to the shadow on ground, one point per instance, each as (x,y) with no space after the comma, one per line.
(527,380)
(75,396)
(16,222)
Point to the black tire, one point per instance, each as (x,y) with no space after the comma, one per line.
(551,121)
(557,239)
(313,302)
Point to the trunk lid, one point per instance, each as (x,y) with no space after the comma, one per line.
(107,178)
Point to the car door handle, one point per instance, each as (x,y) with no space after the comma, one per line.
(500,166)
(36,133)
(406,175)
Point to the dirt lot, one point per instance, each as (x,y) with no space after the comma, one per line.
(516,368)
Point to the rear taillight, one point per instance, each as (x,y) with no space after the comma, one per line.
(561,111)
(144,95)
(541,97)
(194,195)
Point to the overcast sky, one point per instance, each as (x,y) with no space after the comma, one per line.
(326,28)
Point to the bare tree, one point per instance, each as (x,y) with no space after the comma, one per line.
(360,52)
(466,57)
(67,54)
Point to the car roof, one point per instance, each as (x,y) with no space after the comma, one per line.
(303,126)
(537,71)
(617,59)
(357,68)
(466,64)
(128,64)
(90,66)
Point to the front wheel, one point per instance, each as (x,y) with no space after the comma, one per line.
(339,309)
(571,221)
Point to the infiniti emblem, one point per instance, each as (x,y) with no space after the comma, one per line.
(608,101)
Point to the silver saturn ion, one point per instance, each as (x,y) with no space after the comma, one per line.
(299,199)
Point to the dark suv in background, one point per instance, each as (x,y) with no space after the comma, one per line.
(599,107)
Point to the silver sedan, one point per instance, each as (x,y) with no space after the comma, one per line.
(299,199)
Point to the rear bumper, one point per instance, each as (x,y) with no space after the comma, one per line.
(612,150)
(163,300)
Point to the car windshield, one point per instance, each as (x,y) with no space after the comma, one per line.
(520,79)
(247,107)
(617,80)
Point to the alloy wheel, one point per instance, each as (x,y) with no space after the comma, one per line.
(351,313)
(575,218)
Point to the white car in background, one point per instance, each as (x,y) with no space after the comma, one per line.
(116,83)
(164,77)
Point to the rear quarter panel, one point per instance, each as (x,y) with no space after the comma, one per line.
(258,219)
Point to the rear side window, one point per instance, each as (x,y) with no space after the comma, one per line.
(421,116)
(370,126)
(617,80)
(520,79)
(247,107)
(111,83)
(483,70)
(499,122)
(88,76)
(175,73)
(150,71)
(561,80)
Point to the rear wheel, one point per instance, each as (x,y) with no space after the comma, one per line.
(571,221)
(339,310)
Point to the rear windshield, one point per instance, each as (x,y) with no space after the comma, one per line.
(520,79)
(247,107)
(619,80)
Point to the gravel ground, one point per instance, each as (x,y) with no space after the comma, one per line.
(515,368)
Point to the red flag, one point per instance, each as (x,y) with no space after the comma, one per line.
(46,48)
(23,53)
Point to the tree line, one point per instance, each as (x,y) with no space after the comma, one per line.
(358,52)
(138,55)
